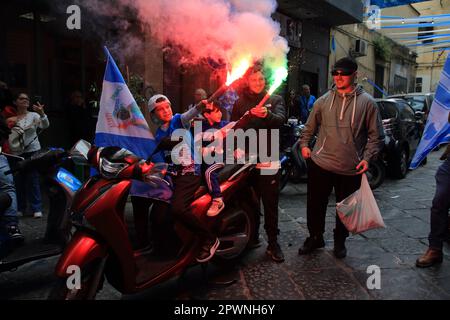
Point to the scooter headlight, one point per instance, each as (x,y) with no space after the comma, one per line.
(111,170)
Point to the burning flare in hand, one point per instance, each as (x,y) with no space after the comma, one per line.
(238,70)
(280,75)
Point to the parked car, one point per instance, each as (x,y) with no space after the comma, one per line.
(402,127)
(418,101)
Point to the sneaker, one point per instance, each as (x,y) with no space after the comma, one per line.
(15,235)
(311,244)
(20,214)
(208,250)
(274,251)
(37,214)
(217,205)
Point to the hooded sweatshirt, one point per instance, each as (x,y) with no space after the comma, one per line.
(349,130)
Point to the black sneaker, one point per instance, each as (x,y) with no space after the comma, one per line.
(311,244)
(339,250)
(15,235)
(274,251)
(255,243)
(207,250)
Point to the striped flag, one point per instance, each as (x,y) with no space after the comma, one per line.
(437,128)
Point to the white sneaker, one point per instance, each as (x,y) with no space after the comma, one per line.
(217,205)
(37,214)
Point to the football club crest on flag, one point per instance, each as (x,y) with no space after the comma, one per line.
(122,124)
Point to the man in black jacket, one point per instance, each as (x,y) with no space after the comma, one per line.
(270,116)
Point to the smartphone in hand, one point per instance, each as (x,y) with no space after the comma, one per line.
(35,100)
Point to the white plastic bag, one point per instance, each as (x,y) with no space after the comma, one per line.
(359,212)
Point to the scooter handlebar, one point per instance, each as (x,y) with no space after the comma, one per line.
(40,161)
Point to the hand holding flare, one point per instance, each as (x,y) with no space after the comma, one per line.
(259,111)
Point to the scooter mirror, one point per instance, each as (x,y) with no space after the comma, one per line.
(79,151)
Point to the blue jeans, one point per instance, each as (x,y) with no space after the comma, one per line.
(28,189)
(440,207)
(9,217)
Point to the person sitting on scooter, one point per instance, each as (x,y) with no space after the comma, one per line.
(186,174)
(213,120)
(211,123)
(9,222)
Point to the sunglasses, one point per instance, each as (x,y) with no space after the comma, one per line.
(341,73)
(23,98)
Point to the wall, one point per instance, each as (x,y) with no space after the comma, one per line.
(401,63)
(430,64)
(344,39)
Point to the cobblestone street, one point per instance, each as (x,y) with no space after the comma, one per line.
(404,204)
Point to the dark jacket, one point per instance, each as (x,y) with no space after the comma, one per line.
(275,118)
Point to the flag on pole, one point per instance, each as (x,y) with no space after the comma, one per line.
(437,128)
(122,124)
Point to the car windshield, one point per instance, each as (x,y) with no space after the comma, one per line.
(416,102)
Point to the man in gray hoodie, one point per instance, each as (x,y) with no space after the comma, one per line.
(350,134)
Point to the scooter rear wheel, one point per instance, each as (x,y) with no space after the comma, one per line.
(235,237)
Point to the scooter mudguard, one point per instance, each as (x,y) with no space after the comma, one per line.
(81,250)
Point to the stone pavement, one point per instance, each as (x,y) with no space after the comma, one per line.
(404,205)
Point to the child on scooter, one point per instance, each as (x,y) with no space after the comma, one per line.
(186,174)
(210,125)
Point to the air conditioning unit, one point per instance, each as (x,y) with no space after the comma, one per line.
(360,48)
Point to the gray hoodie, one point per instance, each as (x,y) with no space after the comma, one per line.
(349,130)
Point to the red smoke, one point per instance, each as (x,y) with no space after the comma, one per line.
(216,29)
(219,29)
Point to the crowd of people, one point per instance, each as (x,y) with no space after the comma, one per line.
(345,120)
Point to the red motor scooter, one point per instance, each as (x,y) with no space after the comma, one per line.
(101,247)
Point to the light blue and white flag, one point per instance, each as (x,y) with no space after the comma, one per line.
(437,128)
(122,124)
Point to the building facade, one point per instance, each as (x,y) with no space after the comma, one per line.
(41,56)
(384,66)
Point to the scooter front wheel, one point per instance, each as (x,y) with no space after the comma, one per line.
(86,288)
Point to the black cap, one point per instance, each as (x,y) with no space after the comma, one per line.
(346,64)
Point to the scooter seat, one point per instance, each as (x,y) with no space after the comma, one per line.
(224,175)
